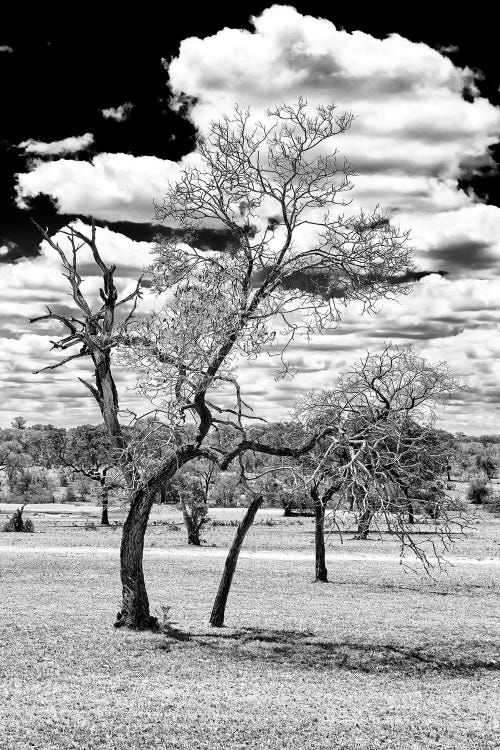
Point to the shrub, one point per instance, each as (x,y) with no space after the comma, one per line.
(487,464)
(478,491)
(492,504)
(18,523)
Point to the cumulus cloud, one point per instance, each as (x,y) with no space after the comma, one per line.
(112,187)
(413,128)
(28,286)
(119,114)
(6,49)
(71,145)
(420,124)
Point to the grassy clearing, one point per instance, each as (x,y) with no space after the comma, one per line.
(377,659)
(64,525)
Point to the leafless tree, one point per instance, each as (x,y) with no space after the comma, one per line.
(386,456)
(288,268)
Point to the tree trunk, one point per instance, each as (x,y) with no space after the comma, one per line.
(135,608)
(104,514)
(319,536)
(135,605)
(219,608)
(364,523)
(411,513)
(192,530)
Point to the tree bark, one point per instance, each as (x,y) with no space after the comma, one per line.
(193,531)
(104,513)
(135,607)
(364,523)
(319,536)
(219,608)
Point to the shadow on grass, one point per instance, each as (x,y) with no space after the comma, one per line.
(304,649)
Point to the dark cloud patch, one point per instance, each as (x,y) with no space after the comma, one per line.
(325,346)
(325,285)
(368,164)
(325,71)
(422,331)
(464,255)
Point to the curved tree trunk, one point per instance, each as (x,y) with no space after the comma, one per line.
(135,608)
(319,536)
(219,608)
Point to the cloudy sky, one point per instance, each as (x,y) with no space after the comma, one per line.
(100,131)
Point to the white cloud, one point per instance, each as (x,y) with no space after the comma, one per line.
(412,134)
(30,285)
(411,120)
(119,114)
(6,48)
(113,187)
(70,145)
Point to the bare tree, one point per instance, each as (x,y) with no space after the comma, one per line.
(289,264)
(386,456)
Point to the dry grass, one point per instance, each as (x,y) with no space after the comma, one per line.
(376,659)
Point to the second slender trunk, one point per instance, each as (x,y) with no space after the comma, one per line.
(219,608)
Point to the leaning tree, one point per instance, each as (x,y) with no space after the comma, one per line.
(289,264)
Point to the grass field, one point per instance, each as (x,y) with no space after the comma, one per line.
(379,658)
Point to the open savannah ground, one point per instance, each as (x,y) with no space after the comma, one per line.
(378,658)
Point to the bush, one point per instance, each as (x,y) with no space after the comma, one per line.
(478,491)
(18,523)
(492,504)
(70,495)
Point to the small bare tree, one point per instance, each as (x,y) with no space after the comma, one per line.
(385,455)
(289,265)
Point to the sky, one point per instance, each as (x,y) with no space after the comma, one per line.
(97,119)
